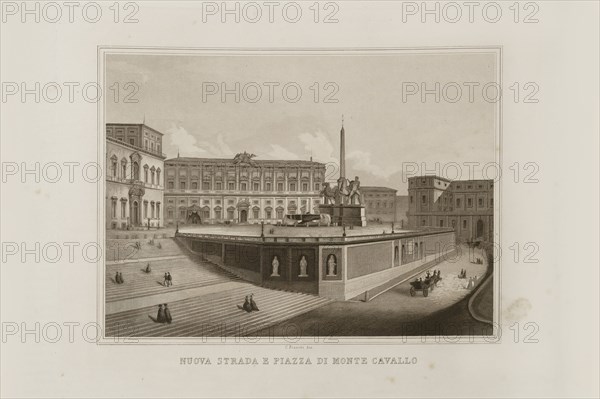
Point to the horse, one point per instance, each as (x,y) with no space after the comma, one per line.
(325,219)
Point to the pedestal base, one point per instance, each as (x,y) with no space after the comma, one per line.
(345,215)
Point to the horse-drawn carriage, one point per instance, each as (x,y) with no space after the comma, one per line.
(424,285)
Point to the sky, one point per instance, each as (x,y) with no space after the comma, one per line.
(291,106)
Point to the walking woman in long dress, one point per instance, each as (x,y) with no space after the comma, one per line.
(160,317)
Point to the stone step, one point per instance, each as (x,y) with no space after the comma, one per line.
(192,315)
(202,305)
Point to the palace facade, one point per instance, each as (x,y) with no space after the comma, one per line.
(239,190)
(380,203)
(134,178)
(467,206)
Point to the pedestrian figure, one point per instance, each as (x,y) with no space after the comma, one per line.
(252,303)
(166,281)
(148,270)
(169,279)
(117,279)
(246,306)
(168,317)
(470,285)
(121,281)
(160,317)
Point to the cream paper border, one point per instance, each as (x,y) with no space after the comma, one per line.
(560,213)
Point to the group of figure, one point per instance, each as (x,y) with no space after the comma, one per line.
(346,193)
(163,316)
(472,282)
(168,281)
(463,273)
(119,278)
(249,304)
(436,273)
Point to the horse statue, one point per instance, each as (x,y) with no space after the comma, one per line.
(329,194)
(325,220)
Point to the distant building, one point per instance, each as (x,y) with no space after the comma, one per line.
(134,188)
(239,190)
(467,206)
(402,210)
(380,203)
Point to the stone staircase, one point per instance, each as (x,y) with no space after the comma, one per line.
(215,314)
(186,273)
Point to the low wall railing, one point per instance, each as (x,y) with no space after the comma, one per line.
(317,239)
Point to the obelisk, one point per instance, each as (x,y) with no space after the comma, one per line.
(342,151)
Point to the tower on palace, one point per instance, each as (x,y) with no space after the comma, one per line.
(467,206)
(134,178)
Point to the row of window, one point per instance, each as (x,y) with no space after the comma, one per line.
(379,204)
(229,215)
(149,145)
(232,202)
(154,210)
(243,186)
(480,202)
(153,177)
(468,186)
(146,147)
(378,195)
(441,223)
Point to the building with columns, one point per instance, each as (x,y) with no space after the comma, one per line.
(134,178)
(467,206)
(239,190)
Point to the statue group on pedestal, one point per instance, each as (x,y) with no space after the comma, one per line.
(346,193)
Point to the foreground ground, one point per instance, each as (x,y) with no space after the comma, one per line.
(204,300)
(395,313)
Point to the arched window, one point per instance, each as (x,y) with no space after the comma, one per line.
(158,177)
(136,171)
(113,165)
(145,173)
(123,168)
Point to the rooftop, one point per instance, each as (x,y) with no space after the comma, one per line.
(448,180)
(135,124)
(258,161)
(378,188)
